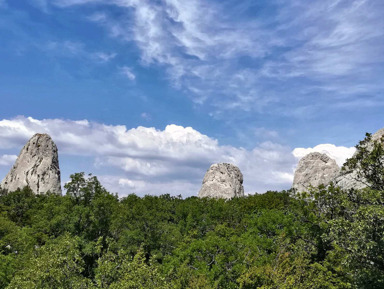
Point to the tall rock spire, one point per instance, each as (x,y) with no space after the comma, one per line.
(37,166)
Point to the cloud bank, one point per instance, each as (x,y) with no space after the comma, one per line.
(147,160)
(338,153)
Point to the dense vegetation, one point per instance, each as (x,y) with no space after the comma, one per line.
(90,238)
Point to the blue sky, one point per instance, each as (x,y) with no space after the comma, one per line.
(147,94)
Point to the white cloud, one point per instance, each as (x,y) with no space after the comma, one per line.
(145,115)
(342,38)
(66,47)
(148,160)
(76,49)
(7,160)
(104,57)
(174,187)
(196,49)
(332,44)
(338,153)
(262,132)
(127,72)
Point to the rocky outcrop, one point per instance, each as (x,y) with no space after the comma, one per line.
(37,166)
(349,179)
(222,181)
(377,136)
(313,170)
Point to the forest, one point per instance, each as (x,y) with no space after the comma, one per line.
(91,238)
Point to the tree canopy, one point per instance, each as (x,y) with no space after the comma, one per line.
(89,238)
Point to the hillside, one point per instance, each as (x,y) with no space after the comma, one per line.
(91,239)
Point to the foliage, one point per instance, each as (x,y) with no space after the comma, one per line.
(328,238)
(117,271)
(58,264)
(368,163)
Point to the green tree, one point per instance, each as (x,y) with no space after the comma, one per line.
(7,269)
(17,205)
(57,264)
(350,229)
(119,271)
(368,163)
(82,190)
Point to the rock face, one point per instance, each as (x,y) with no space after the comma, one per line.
(350,180)
(37,167)
(222,181)
(313,170)
(378,135)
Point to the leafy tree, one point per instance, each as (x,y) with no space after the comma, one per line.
(90,239)
(7,269)
(82,190)
(17,204)
(58,264)
(368,163)
(121,272)
(350,229)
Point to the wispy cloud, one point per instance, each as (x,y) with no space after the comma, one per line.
(104,57)
(127,72)
(327,43)
(66,48)
(231,56)
(341,40)
(263,133)
(146,116)
(197,49)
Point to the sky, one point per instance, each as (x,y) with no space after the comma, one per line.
(147,94)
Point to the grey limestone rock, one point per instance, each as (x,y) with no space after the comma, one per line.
(313,170)
(222,181)
(378,135)
(350,179)
(37,166)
